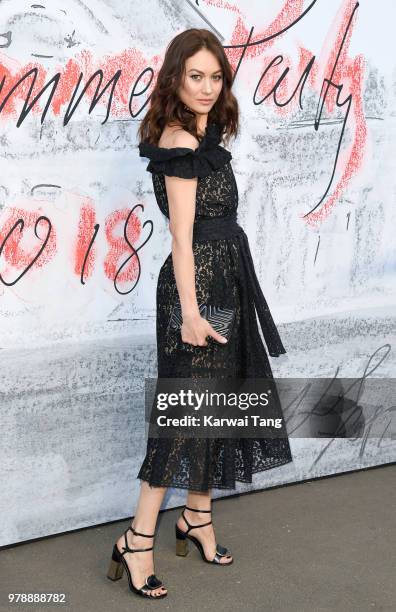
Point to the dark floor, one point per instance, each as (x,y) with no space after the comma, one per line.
(322,546)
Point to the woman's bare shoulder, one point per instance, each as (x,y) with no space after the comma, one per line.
(176,136)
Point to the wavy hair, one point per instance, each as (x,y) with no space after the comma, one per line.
(166,108)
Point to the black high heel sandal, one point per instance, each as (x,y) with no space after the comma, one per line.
(182,538)
(118,563)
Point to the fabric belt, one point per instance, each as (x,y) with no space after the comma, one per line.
(216,228)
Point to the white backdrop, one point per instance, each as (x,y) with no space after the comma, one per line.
(315,200)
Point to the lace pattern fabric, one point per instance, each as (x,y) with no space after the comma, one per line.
(222,277)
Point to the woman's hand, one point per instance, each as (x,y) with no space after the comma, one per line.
(195,330)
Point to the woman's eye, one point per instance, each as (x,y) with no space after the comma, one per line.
(217,78)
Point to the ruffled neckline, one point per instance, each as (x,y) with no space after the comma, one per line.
(210,139)
(185,161)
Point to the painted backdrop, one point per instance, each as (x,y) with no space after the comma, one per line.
(82,241)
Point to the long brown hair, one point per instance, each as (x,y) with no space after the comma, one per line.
(165,105)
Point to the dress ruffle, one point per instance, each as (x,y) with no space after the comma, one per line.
(185,162)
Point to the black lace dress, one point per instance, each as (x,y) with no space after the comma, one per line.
(224,274)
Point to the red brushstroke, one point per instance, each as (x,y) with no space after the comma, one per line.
(289,13)
(350,73)
(131,62)
(119,249)
(85,233)
(21,247)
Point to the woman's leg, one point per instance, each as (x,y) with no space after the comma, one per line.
(206,535)
(141,564)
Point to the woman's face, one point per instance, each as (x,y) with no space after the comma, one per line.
(202,83)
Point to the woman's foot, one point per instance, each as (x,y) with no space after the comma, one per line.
(205,535)
(140,564)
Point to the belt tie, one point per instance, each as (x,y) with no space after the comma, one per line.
(216,228)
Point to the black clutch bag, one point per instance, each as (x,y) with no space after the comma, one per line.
(221,319)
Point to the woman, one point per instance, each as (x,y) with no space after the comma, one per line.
(191,108)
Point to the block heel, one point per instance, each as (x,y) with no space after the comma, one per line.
(182,538)
(116,569)
(181,543)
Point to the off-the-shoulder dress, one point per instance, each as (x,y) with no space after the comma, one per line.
(224,275)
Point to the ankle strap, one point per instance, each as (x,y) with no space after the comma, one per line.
(189,524)
(195,509)
(145,535)
(127,549)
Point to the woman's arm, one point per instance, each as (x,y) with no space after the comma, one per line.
(181,199)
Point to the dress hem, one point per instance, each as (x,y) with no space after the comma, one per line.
(219,485)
